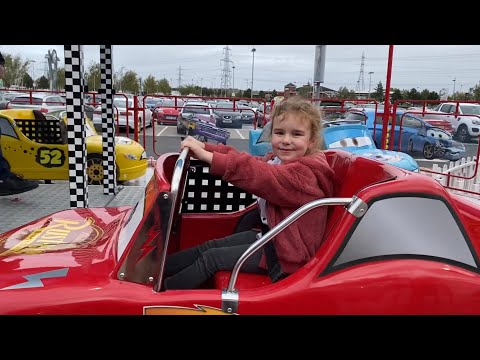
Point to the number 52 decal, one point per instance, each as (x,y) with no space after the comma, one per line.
(50,157)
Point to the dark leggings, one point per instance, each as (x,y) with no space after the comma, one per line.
(190,268)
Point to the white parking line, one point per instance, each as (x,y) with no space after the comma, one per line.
(164,128)
(238,132)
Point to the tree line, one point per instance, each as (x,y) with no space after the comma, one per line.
(17,73)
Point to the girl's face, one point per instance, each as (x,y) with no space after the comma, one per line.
(291,137)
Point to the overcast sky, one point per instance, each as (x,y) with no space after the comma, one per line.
(430,67)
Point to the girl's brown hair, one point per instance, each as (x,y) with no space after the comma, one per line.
(307,112)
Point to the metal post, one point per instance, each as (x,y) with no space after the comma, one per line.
(386,112)
(370,82)
(454,80)
(33,72)
(233,85)
(253,64)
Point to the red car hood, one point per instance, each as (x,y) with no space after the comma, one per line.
(80,243)
(169,111)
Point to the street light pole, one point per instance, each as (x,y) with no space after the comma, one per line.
(454,80)
(233,85)
(33,72)
(253,64)
(370,82)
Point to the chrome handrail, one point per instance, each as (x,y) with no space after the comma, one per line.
(279,228)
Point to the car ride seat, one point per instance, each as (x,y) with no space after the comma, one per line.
(339,161)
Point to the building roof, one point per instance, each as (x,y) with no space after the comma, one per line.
(323,88)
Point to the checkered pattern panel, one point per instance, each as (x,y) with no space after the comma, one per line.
(205,193)
(41,131)
(108,124)
(77,151)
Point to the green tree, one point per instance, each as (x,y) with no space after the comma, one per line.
(433,95)
(93,76)
(15,69)
(395,95)
(42,83)
(61,79)
(186,90)
(164,86)
(130,82)
(274,93)
(150,85)
(303,91)
(378,92)
(247,93)
(344,93)
(27,81)
(412,94)
(475,91)
(208,92)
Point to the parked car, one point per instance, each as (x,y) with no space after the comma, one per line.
(380,254)
(167,112)
(226,115)
(349,136)
(44,102)
(151,102)
(200,109)
(465,127)
(124,117)
(436,143)
(434,118)
(45,151)
(411,125)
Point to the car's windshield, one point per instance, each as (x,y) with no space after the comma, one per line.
(192,109)
(225,106)
(354,116)
(89,129)
(26,100)
(138,214)
(470,109)
(171,103)
(431,117)
(122,102)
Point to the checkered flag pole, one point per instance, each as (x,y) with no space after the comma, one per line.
(77,150)
(108,122)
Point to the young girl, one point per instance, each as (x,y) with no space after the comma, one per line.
(295,173)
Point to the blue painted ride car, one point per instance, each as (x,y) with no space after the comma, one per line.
(349,136)
(415,135)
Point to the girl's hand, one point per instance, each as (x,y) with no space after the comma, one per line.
(197,148)
(191,142)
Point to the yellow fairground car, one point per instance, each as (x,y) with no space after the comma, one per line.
(35,146)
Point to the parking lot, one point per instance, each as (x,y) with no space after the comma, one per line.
(167,140)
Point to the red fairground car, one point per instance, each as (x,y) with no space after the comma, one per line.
(396,243)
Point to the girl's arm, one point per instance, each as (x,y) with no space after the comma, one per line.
(223,149)
(289,185)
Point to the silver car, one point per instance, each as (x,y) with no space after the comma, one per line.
(120,104)
(45,102)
